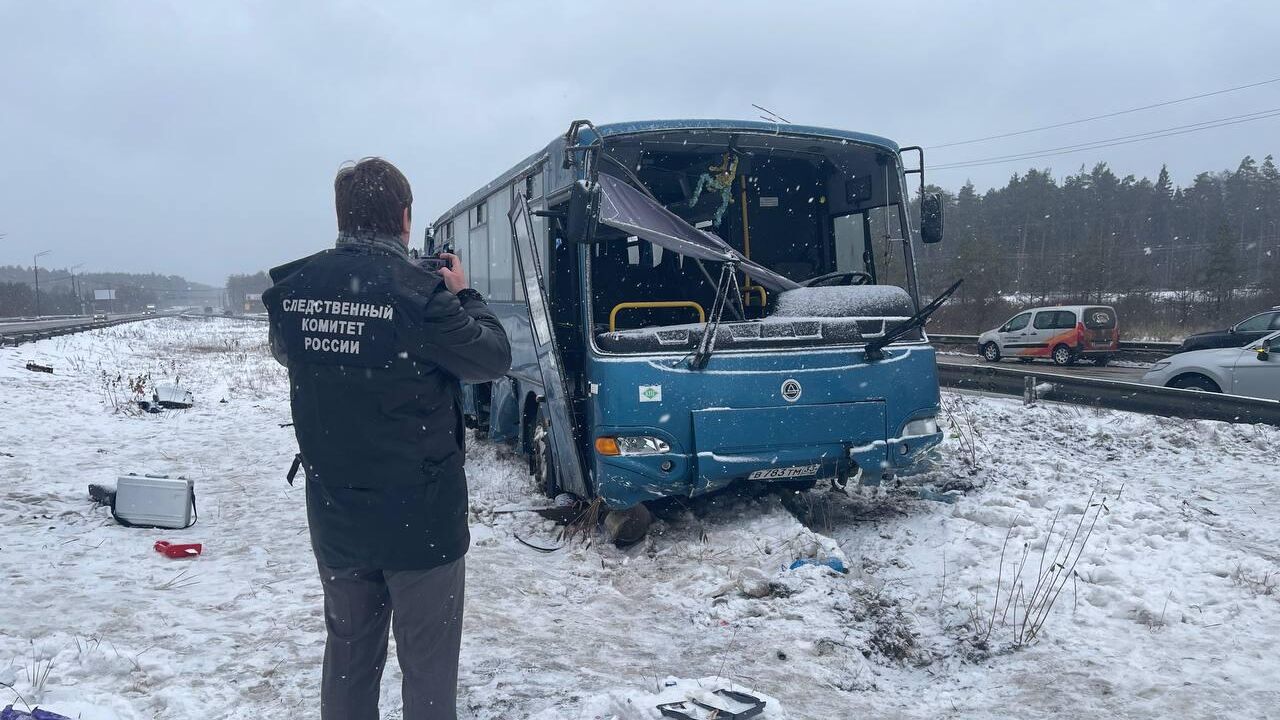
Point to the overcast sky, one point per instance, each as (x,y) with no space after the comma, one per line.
(201,138)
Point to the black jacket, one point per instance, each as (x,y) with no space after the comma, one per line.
(375,347)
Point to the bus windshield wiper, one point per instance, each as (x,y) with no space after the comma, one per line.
(875,348)
(728,280)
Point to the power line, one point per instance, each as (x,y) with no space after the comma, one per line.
(1112,142)
(1104,116)
(1086,145)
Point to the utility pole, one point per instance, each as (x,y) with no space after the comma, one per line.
(75,290)
(35,261)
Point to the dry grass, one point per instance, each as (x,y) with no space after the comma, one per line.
(1024,606)
(963,427)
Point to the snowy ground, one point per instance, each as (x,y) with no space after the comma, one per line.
(1172,608)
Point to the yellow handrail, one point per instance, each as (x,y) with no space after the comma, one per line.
(613,314)
(746,295)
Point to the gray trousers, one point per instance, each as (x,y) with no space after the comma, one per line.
(424,607)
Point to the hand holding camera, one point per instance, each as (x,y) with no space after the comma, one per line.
(449,267)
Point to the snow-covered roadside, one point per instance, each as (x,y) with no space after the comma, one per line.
(1173,612)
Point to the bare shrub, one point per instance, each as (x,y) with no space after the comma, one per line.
(120,391)
(963,428)
(1263,582)
(1028,602)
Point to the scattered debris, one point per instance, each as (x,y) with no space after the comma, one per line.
(165,397)
(729,705)
(102,494)
(172,397)
(155,501)
(178,551)
(539,548)
(35,367)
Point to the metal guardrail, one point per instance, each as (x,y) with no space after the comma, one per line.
(1141,351)
(261,317)
(28,318)
(1112,394)
(25,336)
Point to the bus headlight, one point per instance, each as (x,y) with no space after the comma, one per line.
(923,426)
(632,445)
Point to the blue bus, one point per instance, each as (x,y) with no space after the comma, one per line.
(697,302)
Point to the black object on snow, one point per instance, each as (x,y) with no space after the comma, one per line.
(681,710)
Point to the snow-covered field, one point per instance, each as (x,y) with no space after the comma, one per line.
(1170,607)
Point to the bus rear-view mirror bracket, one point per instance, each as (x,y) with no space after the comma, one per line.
(584,211)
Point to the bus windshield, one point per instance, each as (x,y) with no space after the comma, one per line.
(799,209)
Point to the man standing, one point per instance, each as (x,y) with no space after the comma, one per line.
(376,346)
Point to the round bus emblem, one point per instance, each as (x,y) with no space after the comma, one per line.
(790,390)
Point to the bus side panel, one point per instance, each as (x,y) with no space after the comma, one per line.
(524,379)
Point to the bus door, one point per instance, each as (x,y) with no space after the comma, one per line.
(564,432)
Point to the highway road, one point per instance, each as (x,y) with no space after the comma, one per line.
(28,325)
(1124,371)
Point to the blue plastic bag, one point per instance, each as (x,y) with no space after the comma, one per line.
(833,563)
(10,714)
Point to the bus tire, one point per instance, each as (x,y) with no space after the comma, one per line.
(628,527)
(1063,355)
(991,352)
(541,458)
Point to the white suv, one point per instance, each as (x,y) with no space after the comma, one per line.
(1063,333)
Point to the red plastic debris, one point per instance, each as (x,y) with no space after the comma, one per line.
(177,551)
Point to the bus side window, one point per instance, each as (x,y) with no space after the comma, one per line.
(501,260)
(477,265)
(886,234)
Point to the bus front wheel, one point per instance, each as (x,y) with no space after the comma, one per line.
(541,462)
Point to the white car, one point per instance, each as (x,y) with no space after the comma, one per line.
(1252,370)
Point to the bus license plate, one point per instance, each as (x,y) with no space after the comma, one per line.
(784,473)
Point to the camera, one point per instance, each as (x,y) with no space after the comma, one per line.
(435,263)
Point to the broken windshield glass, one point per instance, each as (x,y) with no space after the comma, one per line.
(627,209)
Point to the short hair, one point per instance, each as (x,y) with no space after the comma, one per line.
(370,197)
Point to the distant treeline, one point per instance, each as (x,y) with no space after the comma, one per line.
(65,293)
(239,286)
(1172,259)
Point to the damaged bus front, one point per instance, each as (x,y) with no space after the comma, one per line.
(711,301)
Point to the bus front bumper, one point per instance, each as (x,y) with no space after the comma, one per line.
(784,444)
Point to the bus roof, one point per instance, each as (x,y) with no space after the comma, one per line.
(654,126)
(641,126)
